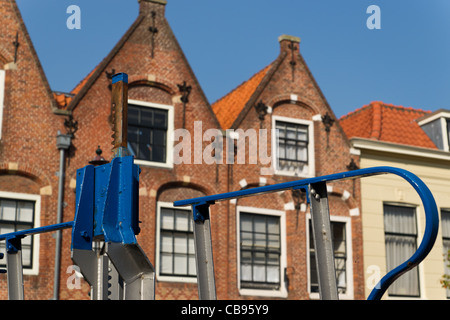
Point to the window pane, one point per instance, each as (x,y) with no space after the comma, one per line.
(144,151)
(133,115)
(8,210)
(159,138)
(290,150)
(246,223)
(191,244)
(160,120)
(133,134)
(259,223)
(166,242)
(145,136)
(259,273)
(26,211)
(166,263)
(192,268)
(273,274)
(399,219)
(6,228)
(291,132)
(273,241)
(166,218)
(158,153)
(180,243)
(259,240)
(302,154)
(246,272)
(180,264)
(181,220)
(302,135)
(146,116)
(246,239)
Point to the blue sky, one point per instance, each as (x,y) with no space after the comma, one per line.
(406,62)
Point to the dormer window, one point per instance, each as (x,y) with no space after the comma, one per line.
(437,127)
(293,141)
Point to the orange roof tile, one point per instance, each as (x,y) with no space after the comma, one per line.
(63,99)
(228,108)
(388,123)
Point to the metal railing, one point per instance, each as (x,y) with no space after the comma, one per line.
(98,214)
(317,195)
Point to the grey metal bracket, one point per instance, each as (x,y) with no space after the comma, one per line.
(134,269)
(14,267)
(320,217)
(203,252)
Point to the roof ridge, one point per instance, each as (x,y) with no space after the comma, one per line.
(377,118)
(382,104)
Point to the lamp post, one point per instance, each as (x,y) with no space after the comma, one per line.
(63,142)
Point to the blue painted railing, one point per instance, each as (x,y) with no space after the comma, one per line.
(429,204)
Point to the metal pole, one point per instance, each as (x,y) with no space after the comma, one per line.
(63,143)
(203,252)
(320,217)
(14,267)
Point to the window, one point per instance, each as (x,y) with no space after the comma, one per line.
(448,132)
(176,250)
(436,126)
(149,127)
(294,151)
(445,222)
(261,252)
(20,212)
(401,242)
(342,258)
(2,95)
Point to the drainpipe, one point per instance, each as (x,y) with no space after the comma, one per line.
(62,143)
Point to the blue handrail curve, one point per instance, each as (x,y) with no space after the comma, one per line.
(429,204)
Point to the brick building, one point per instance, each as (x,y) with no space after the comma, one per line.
(29,157)
(165,96)
(285,96)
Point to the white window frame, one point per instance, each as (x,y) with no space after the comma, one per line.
(2,98)
(159,205)
(169,137)
(310,171)
(37,223)
(282,292)
(349,263)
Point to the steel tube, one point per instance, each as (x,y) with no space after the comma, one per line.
(323,245)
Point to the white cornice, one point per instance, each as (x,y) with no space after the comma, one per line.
(388,147)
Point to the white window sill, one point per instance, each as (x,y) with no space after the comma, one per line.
(145,163)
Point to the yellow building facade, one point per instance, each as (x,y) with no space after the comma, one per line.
(393,216)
